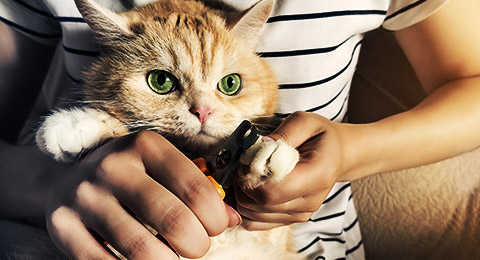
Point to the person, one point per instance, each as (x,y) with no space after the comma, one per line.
(313,48)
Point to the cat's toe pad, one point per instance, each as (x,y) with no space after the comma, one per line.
(268,160)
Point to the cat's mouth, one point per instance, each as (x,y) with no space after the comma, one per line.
(204,137)
(196,141)
(199,145)
(206,133)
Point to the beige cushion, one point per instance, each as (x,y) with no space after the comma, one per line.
(429,212)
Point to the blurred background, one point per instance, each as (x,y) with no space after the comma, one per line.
(429,212)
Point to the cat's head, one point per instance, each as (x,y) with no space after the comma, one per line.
(181,69)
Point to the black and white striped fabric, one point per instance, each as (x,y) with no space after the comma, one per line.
(312,45)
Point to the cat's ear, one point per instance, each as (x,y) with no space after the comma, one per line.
(249,23)
(109,27)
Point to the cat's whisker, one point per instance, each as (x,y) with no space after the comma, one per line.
(195,46)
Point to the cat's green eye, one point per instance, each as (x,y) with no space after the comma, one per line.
(230,84)
(161,82)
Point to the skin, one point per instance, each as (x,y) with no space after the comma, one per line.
(14,96)
(77,199)
(446,59)
(20,198)
(447,62)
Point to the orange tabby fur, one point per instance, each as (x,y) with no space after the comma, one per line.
(199,46)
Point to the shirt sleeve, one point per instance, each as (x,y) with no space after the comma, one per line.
(403,13)
(33,19)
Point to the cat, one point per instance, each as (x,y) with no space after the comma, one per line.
(190,73)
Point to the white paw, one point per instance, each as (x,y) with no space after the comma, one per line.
(66,133)
(268,161)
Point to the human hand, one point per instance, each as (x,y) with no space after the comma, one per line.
(147,175)
(302,192)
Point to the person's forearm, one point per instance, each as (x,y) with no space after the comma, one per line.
(27,177)
(445,124)
(23,67)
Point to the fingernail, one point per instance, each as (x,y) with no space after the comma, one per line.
(238,218)
(267,139)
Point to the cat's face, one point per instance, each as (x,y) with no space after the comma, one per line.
(182,71)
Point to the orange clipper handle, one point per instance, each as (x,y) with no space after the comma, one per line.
(217,186)
(200,163)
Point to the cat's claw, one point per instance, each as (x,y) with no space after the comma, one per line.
(267,160)
(67,133)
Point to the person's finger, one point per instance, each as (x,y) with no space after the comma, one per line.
(312,170)
(234,217)
(308,174)
(297,128)
(251,225)
(156,206)
(103,213)
(298,210)
(277,217)
(73,237)
(180,176)
(297,205)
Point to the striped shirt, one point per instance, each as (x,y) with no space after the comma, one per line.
(312,45)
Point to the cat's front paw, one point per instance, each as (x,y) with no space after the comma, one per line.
(66,133)
(267,160)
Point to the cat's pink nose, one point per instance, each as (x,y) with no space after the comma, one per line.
(202,113)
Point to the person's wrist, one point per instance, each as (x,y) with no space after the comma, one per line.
(37,177)
(357,149)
